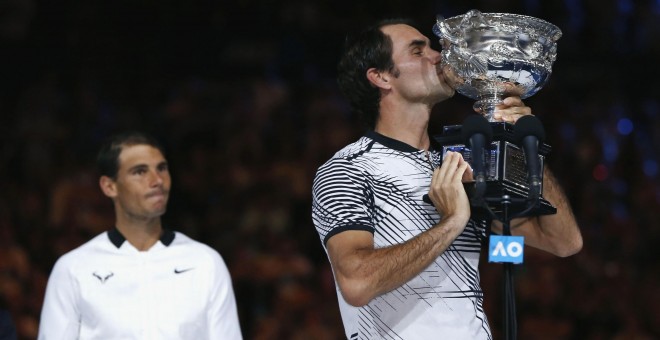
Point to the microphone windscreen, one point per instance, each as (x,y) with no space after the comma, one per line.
(528,126)
(476,124)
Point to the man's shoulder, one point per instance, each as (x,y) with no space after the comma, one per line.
(87,251)
(99,241)
(356,148)
(195,248)
(356,151)
(181,239)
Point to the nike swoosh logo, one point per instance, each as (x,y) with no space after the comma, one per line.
(177,271)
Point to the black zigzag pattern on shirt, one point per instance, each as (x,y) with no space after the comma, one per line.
(367,186)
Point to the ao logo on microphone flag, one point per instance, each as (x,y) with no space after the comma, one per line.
(506,249)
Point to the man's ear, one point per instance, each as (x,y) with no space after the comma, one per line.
(379,79)
(108,186)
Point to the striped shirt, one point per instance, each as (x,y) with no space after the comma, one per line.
(376,184)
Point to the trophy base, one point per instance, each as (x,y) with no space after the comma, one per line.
(506,172)
(517,203)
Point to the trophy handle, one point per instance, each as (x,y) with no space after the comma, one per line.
(440,29)
(467,18)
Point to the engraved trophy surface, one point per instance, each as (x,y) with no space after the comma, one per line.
(488,57)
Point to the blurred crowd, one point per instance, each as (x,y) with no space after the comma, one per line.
(243,95)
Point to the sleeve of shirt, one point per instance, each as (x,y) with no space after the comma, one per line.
(60,316)
(223,314)
(341,199)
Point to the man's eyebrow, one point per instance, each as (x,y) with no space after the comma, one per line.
(137,167)
(418,43)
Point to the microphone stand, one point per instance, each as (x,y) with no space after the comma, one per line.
(510,321)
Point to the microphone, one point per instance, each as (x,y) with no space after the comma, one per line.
(528,133)
(477,133)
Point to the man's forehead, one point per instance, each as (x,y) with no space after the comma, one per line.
(404,36)
(140,153)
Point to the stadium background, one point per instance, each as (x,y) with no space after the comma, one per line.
(243,95)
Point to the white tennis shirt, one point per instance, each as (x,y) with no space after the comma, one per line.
(107,289)
(376,184)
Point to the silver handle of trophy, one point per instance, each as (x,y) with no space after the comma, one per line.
(441,30)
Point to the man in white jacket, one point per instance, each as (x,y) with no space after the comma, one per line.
(139,280)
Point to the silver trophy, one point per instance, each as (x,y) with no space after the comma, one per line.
(488,57)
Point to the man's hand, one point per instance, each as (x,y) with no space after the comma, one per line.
(510,110)
(447,192)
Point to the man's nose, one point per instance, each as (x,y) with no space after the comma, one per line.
(155,178)
(436,56)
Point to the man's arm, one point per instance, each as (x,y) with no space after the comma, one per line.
(363,272)
(60,316)
(222,314)
(557,234)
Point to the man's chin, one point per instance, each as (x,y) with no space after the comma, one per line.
(158,211)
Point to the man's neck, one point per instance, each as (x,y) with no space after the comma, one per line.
(142,235)
(408,124)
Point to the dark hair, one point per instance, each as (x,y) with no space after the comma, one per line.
(107,159)
(371,48)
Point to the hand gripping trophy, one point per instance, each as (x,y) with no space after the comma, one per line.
(487,57)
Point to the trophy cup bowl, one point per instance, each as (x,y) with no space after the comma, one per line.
(490,56)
